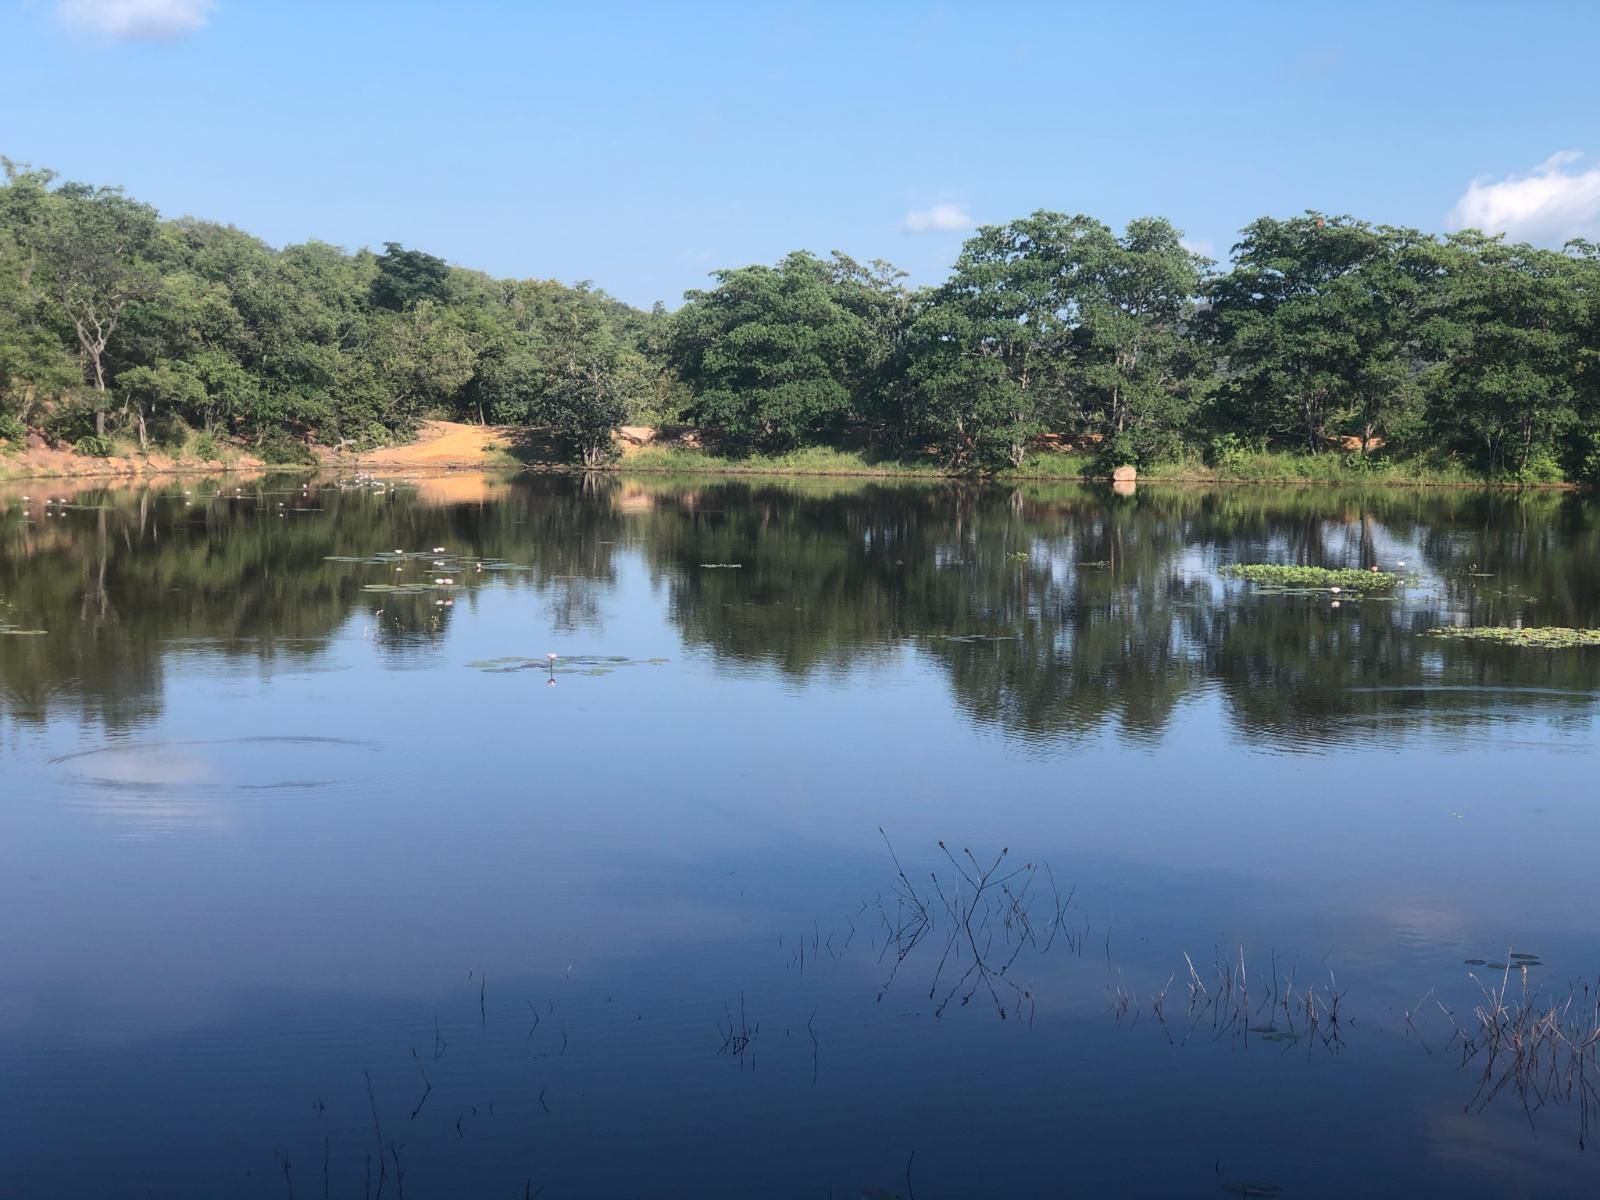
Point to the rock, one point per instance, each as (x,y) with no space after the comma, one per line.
(1125,474)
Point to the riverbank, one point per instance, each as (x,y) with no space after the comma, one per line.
(44,462)
(1330,469)
(453,446)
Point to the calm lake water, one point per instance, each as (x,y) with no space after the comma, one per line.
(301,873)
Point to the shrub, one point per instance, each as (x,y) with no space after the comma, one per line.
(1541,468)
(170,431)
(70,421)
(280,449)
(93,446)
(1226,452)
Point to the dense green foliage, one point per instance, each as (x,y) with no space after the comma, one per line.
(1324,335)
(114,321)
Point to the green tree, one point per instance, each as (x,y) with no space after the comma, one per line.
(1135,374)
(423,357)
(1515,324)
(95,249)
(584,394)
(35,364)
(990,348)
(406,277)
(771,352)
(876,294)
(1322,326)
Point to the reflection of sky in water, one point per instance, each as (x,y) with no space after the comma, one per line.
(241,925)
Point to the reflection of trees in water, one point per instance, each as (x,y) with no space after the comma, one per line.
(1054,610)
(120,576)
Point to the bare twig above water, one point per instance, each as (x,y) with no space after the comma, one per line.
(377,1131)
(427,1089)
(738,1038)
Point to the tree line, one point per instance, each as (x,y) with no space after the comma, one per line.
(1323,333)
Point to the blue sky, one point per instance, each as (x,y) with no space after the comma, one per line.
(643,145)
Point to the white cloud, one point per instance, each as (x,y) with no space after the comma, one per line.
(137,20)
(1204,247)
(1553,202)
(941,218)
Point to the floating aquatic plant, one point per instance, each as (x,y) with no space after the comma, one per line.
(1537,637)
(410,589)
(1324,578)
(9,630)
(567,664)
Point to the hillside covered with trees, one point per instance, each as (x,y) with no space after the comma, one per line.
(1322,335)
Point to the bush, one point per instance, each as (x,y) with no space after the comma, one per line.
(1227,452)
(205,448)
(1541,468)
(170,431)
(1358,464)
(12,429)
(92,446)
(280,449)
(70,421)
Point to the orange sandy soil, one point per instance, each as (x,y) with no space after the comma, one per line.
(39,461)
(452,445)
(439,444)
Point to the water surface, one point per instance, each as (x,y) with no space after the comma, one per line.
(310,860)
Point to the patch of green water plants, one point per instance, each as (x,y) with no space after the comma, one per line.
(1536,637)
(1326,578)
